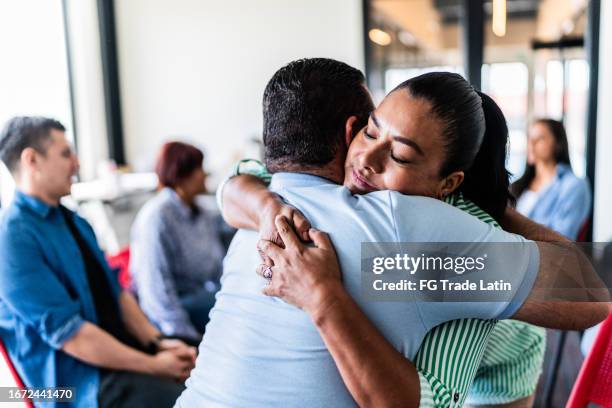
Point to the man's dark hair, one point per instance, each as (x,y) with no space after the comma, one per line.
(22,132)
(305,108)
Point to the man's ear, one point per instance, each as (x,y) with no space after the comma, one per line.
(349,129)
(450,184)
(28,158)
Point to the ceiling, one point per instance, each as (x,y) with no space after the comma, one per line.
(433,23)
(450,10)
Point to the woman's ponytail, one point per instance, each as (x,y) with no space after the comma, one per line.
(487,181)
(476,137)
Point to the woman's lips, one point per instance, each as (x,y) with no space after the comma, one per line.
(361,182)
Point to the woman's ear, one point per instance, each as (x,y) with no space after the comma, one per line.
(450,184)
(349,129)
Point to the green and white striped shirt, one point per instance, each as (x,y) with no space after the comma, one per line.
(485,361)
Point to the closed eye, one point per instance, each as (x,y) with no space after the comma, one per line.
(400,161)
(368,136)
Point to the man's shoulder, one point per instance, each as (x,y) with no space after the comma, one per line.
(17,225)
(427,219)
(420,206)
(14,218)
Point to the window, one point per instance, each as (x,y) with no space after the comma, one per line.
(34,72)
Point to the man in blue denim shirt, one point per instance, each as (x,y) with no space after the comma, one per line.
(63,318)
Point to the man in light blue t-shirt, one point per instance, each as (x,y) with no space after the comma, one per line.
(262,352)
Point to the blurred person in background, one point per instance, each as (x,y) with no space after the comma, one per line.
(176,247)
(63,317)
(549,192)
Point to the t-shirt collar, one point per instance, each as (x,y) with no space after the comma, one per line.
(287,180)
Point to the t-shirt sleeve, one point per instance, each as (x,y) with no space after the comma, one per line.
(245,166)
(509,257)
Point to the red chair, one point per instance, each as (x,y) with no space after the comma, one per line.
(121,261)
(550,376)
(594,382)
(14,373)
(583,231)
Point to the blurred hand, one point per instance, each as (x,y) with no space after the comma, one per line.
(168,344)
(300,273)
(175,363)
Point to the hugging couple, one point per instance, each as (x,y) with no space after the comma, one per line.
(426,165)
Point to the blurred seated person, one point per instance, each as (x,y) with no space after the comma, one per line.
(549,192)
(176,248)
(63,318)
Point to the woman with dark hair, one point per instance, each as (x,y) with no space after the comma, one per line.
(549,192)
(435,136)
(176,248)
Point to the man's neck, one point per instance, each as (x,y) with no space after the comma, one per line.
(326,174)
(333,171)
(42,196)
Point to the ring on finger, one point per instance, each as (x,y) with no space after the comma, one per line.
(267,272)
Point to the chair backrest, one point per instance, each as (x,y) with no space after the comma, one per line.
(121,261)
(584,230)
(13,373)
(594,382)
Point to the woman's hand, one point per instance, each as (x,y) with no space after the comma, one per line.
(305,276)
(275,207)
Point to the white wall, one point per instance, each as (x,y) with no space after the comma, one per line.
(603,175)
(196,69)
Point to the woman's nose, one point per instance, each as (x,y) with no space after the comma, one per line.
(372,158)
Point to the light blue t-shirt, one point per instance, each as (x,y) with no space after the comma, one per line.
(259,351)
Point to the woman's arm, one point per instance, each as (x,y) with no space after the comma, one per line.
(247,203)
(244,198)
(518,224)
(374,372)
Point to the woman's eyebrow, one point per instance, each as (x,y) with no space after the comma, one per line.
(399,139)
(410,143)
(374,119)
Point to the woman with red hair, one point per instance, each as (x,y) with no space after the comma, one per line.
(176,248)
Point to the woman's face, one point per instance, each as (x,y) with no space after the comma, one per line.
(195,183)
(400,149)
(540,144)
